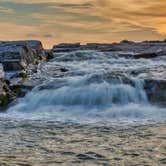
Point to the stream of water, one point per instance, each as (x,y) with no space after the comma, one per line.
(91,87)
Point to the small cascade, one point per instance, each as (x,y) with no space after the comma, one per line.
(95,87)
(92,95)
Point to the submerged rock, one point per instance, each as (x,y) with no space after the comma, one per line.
(49,54)
(150,55)
(156,91)
(66,47)
(6,95)
(3,95)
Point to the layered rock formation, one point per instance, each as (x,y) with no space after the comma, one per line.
(5,93)
(155,81)
(17,55)
(156,91)
(15,58)
(158,48)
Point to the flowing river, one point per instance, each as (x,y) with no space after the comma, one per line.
(92,87)
(87,108)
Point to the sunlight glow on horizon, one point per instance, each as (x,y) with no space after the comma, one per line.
(56,21)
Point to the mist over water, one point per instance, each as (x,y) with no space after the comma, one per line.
(94,88)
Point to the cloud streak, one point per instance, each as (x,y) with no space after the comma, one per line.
(82,20)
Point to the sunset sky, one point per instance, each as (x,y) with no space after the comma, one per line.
(55,21)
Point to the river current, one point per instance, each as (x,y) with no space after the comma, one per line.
(91,87)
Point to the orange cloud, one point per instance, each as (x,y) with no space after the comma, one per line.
(83,20)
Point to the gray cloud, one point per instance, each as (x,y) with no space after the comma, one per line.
(83,20)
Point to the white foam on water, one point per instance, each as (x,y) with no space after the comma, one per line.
(92,91)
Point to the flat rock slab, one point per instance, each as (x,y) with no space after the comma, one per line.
(142,48)
(16,55)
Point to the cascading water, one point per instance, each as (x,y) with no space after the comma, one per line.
(94,87)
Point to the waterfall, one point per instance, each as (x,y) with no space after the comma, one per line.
(95,87)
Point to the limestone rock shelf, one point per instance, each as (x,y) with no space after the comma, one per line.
(141,49)
(15,59)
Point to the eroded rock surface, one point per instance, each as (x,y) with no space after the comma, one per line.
(17,55)
(142,53)
(16,58)
(141,49)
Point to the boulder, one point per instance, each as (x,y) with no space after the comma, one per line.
(100,47)
(5,93)
(150,55)
(66,47)
(69,47)
(140,49)
(156,91)
(17,55)
(16,59)
(49,54)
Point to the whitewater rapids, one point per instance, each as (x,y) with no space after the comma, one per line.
(90,87)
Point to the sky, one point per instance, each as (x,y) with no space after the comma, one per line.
(103,21)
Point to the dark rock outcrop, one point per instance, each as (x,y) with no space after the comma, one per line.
(49,54)
(17,55)
(140,49)
(156,91)
(66,47)
(6,95)
(150,55)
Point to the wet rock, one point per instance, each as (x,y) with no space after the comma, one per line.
(6,95)
(68,153)
(2,74)
(4,100)
(69,47)
(17,55)
(132,154)
(90,156)
(16,58)
(64,70)
(100,47)
(150,55)
(11,65)
(111,77)
(18,90)
(140,49)
(66,47)
(156,91)
(162,161)
(146,55)
(49,54)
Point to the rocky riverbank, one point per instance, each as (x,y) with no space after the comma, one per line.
(154,80)
(18,59)
(94,104)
